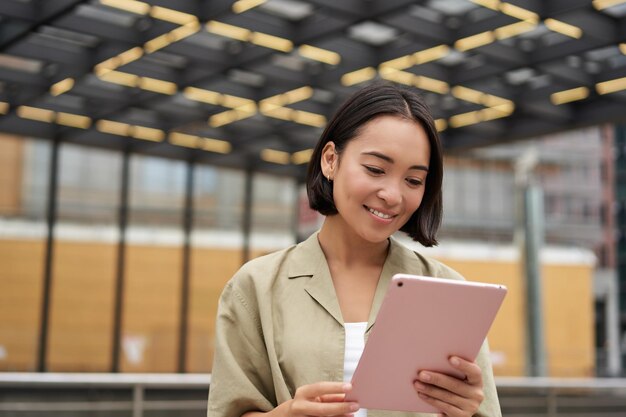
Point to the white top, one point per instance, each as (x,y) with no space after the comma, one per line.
(355,342)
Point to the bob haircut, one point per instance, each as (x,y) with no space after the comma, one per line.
(365,105)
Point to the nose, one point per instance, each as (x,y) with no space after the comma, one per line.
(391,193)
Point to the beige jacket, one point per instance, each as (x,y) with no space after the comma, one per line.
(279,327)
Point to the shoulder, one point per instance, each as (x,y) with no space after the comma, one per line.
(259,271)
(420,264)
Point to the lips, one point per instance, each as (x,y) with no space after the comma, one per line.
(380,214)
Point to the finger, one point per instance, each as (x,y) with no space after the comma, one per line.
(458,400)
(329,409)
(320,389)
(446,382)
(446,409)
(332,398)
(472,371)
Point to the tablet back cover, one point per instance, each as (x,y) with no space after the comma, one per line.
(422,322)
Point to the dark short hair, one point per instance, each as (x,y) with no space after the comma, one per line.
(366,104)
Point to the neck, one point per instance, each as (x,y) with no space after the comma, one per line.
(342,246)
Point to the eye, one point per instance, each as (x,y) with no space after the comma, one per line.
(414,182)
(374,170)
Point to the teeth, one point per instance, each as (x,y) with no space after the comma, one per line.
(379,214)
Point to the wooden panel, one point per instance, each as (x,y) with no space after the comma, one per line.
(211,269)
(151,309)
(21,278)
(11,161)
(81,322)
(569,320)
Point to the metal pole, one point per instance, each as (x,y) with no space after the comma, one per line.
(247,214)
(118,302)
(51,217)
(529,234)
(184,301)
(614,357)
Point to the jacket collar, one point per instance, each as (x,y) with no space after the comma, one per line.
(308,260)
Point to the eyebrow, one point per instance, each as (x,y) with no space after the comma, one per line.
(391,161)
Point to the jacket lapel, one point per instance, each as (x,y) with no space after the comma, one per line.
(400,259)
(308,261)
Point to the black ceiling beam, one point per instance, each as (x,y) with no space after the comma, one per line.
(45,12)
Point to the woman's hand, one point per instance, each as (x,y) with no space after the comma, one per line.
(454,397)
(322,399)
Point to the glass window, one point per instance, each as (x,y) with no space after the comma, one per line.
(24,166)
(216,241)
(85,259)
(153,267)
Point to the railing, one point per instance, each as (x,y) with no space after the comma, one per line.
(30,394)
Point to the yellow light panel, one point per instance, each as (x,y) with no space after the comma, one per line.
(243,5)
(515,29)
(205,96)
(282,113)
(474,41)
(401,63)
(298,94)
(234,101)
(215,145)
(228,31)
(564,28)
(170,15)
(431,54)
(275,157)
(622,48)
(35,113)
(568,96)
(358,76)
(137,7)
(62,86)
(492,101)
(130,56)
(468,94)
(519,12)
(184,31)
(107,66)
(183,139)
(465,119)
(605,4)
(611,86)
(121,78)
(4,107)
(400,77)
(431,84)
(496,112)
(490,4)
(308,118)
(157,86)
(114,128)
(301,157)
(223,118)
(73,120)
(441,125)
(272,42)
(157,43)
(319,54)
(148,133)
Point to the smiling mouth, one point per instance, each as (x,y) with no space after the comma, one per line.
(379,214)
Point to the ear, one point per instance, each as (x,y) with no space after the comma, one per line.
(329,160)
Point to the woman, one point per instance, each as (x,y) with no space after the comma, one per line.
(291,325)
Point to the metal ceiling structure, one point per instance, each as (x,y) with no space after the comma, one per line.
(251,83)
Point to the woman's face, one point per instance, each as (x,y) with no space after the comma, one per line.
(379,179)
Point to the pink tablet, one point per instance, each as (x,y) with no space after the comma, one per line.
(421,323)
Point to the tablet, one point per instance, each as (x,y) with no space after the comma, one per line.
(421,323)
